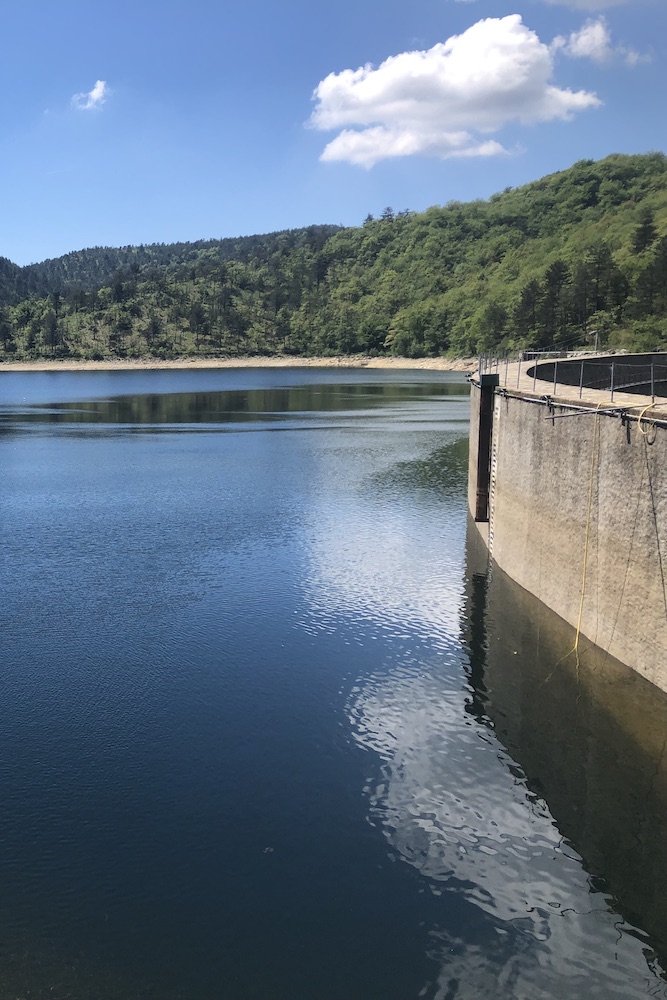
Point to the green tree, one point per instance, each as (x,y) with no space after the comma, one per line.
(7,338)
(526,311)
(646,233)
(554,307)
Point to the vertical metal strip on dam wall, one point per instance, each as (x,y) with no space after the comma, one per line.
(481,425)
(579,517)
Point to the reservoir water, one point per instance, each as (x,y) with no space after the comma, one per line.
(268,732)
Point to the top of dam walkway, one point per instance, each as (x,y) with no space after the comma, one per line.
(631,383)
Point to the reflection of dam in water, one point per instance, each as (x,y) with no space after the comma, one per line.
(532,799)
(589,734)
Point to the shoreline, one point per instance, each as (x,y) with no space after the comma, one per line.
(277,361)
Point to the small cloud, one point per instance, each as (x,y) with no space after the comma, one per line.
(633,58)
(593,41)
(444,101)
(95,98)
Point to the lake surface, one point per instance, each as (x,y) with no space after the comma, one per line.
(268,733)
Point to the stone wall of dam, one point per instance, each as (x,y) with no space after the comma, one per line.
(569,497)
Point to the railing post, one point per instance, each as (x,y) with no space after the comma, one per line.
(652,381)
(612,381)
(555,375)
(581,379)
(518,370)
(507,364)
(534,374)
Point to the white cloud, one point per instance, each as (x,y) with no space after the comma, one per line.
(593,41)
(379,143)
(437,102)
(95,98)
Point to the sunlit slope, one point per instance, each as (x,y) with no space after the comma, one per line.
(576,253)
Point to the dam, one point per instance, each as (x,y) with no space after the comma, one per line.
(567,494)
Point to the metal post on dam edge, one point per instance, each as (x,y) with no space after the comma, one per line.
(487,386)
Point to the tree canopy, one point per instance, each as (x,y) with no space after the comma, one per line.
(575,255)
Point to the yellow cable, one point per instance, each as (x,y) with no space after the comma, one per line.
(575,648)
(596,425)
(641,417)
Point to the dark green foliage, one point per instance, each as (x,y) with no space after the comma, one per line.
(579,254)
(645,234)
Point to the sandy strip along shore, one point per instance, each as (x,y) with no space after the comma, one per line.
(132,364)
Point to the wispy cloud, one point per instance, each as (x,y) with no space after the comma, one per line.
(92,100)
(446,100)
(590,5)
(594,41)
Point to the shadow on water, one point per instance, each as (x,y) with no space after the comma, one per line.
(590,738)
(440,475)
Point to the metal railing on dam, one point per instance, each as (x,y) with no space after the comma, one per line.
(637,374)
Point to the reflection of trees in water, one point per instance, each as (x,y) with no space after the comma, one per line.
(230,405)
(442,474)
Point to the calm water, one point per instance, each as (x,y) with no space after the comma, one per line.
(263,735)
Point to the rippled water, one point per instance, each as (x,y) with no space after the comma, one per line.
(262,733)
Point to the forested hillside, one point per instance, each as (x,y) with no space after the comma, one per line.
(578,253)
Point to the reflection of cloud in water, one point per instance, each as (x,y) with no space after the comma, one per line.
(452,804)
(380,570)
(387,537)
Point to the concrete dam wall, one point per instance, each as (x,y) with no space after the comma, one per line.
(569,494)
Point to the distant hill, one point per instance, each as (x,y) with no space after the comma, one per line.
(577,253)
(89,270)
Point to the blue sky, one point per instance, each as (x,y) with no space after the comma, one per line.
(156,120)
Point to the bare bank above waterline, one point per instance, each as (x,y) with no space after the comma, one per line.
(340,361)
